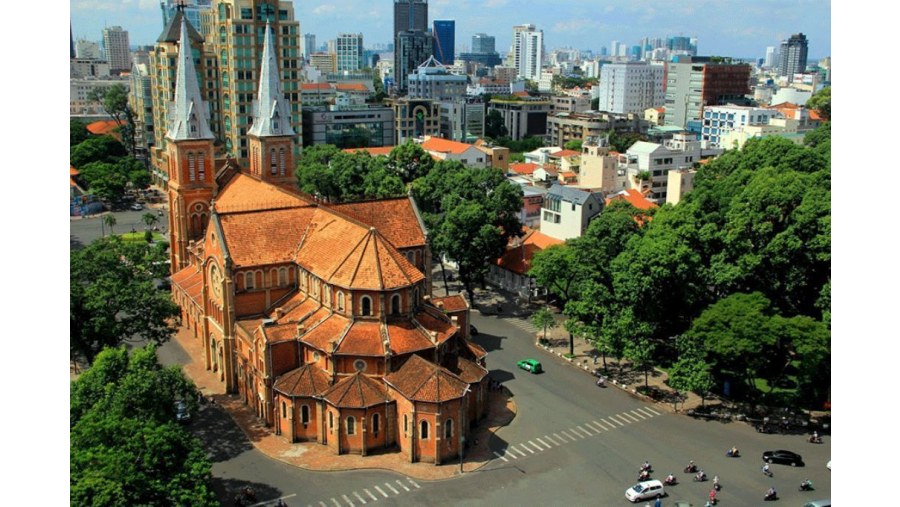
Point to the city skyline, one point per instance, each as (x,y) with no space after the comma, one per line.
(581,24)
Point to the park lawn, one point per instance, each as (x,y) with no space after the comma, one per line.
(138,237)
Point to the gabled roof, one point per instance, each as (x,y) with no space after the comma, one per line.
(565,153)
(421,380)
(520,253)
(271,112)
(265,237)
(440,145)
(322,334)
(634,197)
(246,193)
(357,391)
(363,338)
(190,281)
(454,303)
(405,337)
(306,381)
(569,194)
(102,127)
(468,371)
(394,218)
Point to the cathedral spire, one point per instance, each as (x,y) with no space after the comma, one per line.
(188,115)
(271,112)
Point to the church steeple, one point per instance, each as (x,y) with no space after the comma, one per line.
(271,139)
(188,114)
(271,112)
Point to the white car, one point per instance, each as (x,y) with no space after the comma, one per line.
(645,491)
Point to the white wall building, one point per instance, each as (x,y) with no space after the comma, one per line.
(680,152)
(527,51)
(631,87)
(349,50)
(431,80)
(115,45)
(567,211)
(720,120)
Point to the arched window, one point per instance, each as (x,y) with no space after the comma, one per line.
(366,303)
(423,430)
(226,99)
(351,425)
(304,414)
(201,166)
(281,162)
(225,80)
(395,304)
(249,281)
(448,428)
(274,163)
(192,169)
(282,277)
(341,301)
(376,423)
(222,38)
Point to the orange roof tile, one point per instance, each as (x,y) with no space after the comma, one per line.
(523,167)
(476,349)
(550,169)
(321,335)
(452,303)
(315,86)
(634,197)
(565,153)
(421,380)
(445,146)
(362,339)
(351,87)
(521,94)
(374,151)
(568,174)
(280,333)
(103,127)
(468,371)
(405,338)
(305,381)
(519,255)
(73,171)
(265,237)
(357,391)
(439,324)
(395,219)
(814,115)
(245,193)
(190,281)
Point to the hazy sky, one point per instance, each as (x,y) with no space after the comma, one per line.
(739,28)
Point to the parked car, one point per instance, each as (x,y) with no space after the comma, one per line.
(137,206)
(645,490)
(182,413)
(784,457)
(532,365)
(819,503)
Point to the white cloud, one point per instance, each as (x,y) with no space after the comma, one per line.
(324,9)
(496,3)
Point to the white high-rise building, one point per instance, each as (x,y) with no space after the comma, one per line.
(349,50)
(631,87)
(527,51)
(115,44)
(770,57)
(87,50)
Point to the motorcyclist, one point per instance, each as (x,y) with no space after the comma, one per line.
(645,466)
(644,475)
(712,496)
(691,466)
(770,493)
(716,483)
(734,451)
(806,485)
(701,475)
(670,479)
(766,469)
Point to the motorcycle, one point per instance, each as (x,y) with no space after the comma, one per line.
(770,495)
(700,477)
(646,467)
(601,382)
(643,476)
(690,468)
(671,480)
(806,486)
(733,453)
(712,497)
(716,485)
(814,439)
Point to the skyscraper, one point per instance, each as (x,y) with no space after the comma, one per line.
(349,51)
(410,25)
(115,43)
(770,57)
(410,15)
(631,87)
(483,51)
(444,31)
(528,51)
(694,82)
(793,55)
(483,43)
(309,45)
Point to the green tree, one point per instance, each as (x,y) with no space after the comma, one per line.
(595,104)
(115,103)
(494,127)
(110,221)
(574,144)
(543,318)
(691,373)
(104,180)
(821,103)
(96,149)
(78,132)
(621,142)
(113,297)
(557,269)
(125,448)
(409,161)
(149,219)
(640,352)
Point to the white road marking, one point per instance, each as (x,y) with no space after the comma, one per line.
(561,439)
(380,491)
(570,436)
(635,412)
(595,424)
(537,446)
(359,498)
(620,418)
(529,449)
(517,451)
(590,433)
(336,502)
(545,443)
(501,457)
(576,433)
(654,411)
(413,483)
(402,485)
(391,488)
(347,499)
(629,416)
(510,454)
(322,504)
(613,420)
(645,412)
(374,498)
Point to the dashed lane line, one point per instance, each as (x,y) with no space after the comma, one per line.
(347,499)
(545,443)
(413,483)
(373,497)
(361,499)
(380,491)
(391,488)
(402,485)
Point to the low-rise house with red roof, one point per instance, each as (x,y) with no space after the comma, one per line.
(510,272)
(445,149)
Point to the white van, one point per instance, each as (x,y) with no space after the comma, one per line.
(645,490)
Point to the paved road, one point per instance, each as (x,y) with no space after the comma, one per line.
(85,230)
(572,443)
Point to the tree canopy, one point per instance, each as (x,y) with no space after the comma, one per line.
(821,103)
(125,447)
(113,296)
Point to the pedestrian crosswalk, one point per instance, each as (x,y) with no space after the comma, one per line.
(522,324)
(575,433)
(371,494)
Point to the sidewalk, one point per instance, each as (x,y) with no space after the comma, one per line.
(313,456)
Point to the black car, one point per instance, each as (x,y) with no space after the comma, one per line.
(473,330)
(783,457)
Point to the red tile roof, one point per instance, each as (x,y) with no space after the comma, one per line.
(322,335)
(305,381)
(454,303)
(520,253)
(375,151)
(565,153)
(476,349)
(438,324)
(394,218)
(523,168)
(315,86)
(190,281)
(405,337)
(351,87)
(440,145)
(265,237)
(245,193)
(421,380)
(357,391)
(103,127)
(634,197)
(362,339)
(468,371)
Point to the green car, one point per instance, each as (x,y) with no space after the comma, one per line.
(532,365)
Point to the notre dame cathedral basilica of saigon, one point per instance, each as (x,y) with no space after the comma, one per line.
(317,315)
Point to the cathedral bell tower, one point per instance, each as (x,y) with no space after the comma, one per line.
(189,150)
(271,138)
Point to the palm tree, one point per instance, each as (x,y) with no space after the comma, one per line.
(110,221)
(149,219)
